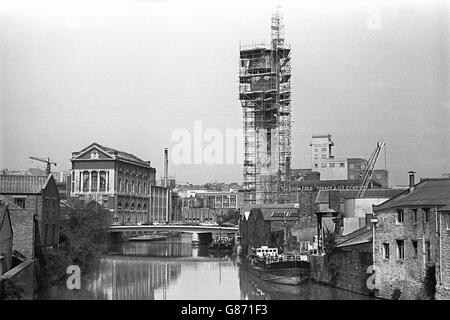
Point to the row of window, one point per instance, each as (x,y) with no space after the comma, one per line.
(332,164)
(352,176)
(91,181)
(132,207)
(400,245)
(132,187)
(400,218)
(47,202)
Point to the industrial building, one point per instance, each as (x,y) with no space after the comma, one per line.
(265,95)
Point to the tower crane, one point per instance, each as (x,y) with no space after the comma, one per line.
(369,169)
(48,161)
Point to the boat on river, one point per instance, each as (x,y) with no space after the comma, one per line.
(286,268)
(222,244)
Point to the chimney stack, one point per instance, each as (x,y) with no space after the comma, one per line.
(166,167)
(411,181)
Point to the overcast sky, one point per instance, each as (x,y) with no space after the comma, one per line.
(127,74)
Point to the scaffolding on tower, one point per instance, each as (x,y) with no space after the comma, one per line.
(265,95)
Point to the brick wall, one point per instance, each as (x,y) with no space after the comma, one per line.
(405,274)
(306,226)
(443,288)
(23,241)
(344,269)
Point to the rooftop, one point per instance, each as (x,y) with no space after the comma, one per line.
(117,154)
(427,193)
(359,236)
(22,184)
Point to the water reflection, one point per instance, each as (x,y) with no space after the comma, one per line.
(174,270)
(174,247)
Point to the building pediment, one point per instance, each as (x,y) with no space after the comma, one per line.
(93,153)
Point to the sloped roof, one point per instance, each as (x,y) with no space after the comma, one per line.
(117,154)
(359,236)
(427,193)
(6,201)
(323,195)
(4,213)
(21,184)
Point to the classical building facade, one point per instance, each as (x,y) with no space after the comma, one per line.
(122,182)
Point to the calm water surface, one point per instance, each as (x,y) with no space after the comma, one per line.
(173,269)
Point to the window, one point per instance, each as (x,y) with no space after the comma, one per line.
(332,165)
(399,216)
(316,156)
(427,215)
(400,249)
(53,203)
(46,204)
(324,165)
(127,186)
(316,149)
(428,250)
(415,247)
(85,181)
(352,166)
(414,212)
(139,187)
(324,149)
(386,251)
(324,156)
(55,239)
(352,176)
(342,164)
(94,177)
(102,181)
(315,165)
(378,176)
(45,235)
(20,202)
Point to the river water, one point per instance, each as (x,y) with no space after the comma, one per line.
(172,269)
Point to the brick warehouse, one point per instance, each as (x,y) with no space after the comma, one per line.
(122,182)
(39,196)
(24,224)
(263,225)
(410,238)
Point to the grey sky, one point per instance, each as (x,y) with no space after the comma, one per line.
(128,73)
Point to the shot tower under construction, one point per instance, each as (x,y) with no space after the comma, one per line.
(265,95)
